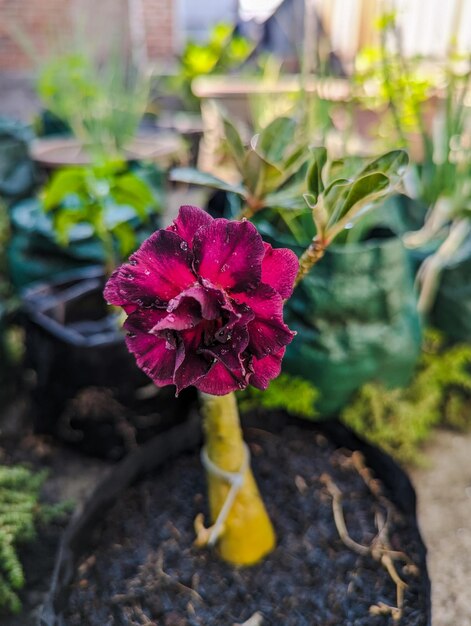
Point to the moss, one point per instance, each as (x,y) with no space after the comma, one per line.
(399,420)
(290,393)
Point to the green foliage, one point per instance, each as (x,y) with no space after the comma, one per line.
(271,168)
(343,191)
(103,105)
(290,393)
(19,512)
(279,171)
(107,198)
(222,52)
(399,420)
(424,108)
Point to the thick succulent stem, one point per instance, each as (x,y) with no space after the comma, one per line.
(247,534)
(310,257)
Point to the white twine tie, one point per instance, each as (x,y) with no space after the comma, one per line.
(234,479)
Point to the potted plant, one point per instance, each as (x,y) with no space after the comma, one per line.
(71,335)
(363,281)
(427,113)
(204,303)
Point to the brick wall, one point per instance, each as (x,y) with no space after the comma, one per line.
(159,26)
(44,23)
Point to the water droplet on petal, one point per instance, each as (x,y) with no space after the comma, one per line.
(225,267)
(184,245)
(147,272)
(132,262)
(131,335)
(171,318)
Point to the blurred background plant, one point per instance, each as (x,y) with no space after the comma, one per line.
(20,513)
(101,102)
(223,52)
(108,199)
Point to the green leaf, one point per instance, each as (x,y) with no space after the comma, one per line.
(261,176)
(276,138)
(63,183)
(195,177)
(126,238)
(314,181)
(291,198)
(131,190)
(392,164)
(362,190)
(234,142)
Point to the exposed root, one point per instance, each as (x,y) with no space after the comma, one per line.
(380,548)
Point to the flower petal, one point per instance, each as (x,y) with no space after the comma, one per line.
(229,254)
(154,355)
(219,380)
(279,269)
(189,219)
(190,364)
(230,352)
(156,273)
(266,369)
(268,333)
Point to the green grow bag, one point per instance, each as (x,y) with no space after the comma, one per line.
(33,253)
(17,177)
(356,318)
(451,312)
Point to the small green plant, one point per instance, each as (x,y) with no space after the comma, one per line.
(20,511)
(289,393)
(399,420)
(223,51)
(107,198)
(102,104)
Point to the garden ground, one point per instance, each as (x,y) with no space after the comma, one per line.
(444,499)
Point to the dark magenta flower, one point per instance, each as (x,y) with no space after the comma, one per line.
(205,304)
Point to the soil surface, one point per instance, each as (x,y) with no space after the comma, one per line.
(143,570)
(444,499)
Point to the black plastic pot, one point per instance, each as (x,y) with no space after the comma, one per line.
(88,390)
(184,438)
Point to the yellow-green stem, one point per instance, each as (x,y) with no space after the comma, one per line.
(248,534)
(310,257)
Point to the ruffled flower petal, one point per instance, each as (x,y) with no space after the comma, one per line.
(229,254)
(268,333)
(190,365)
(230,351)
(154,355)
(219,380)
(189,219)
(266,369)
(279,269)
(155,274)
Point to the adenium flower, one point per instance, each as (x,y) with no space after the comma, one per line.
(204,300)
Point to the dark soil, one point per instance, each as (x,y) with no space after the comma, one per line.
(145,572)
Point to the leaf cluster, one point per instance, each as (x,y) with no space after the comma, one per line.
(109,199)
(399,420)
(289,393)
(102,104)
(341,192)
(19,513)
(271,168)
(223,51)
